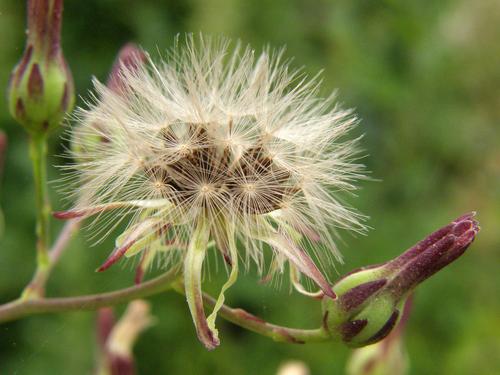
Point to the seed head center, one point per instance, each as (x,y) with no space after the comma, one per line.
(206,189)
(184,149)
(249,188)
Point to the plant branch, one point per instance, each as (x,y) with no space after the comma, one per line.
(258,325)
(38,155)
(67,232)
(39,279)
(25,307)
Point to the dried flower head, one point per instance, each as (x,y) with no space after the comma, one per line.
(217,149)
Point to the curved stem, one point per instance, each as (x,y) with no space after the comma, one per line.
(255,324)
(25,307)
(258,325)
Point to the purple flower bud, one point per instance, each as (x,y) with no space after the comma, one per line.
(129,58)
(370,299)
(41,86)
(430,255)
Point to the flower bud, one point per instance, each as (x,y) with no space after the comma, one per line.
(370,299)
(130,58)
(83,142)
(41,86)
(388,356)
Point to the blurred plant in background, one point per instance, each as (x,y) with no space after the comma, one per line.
(387,60)
(3,152)
(293,368)
(116,339)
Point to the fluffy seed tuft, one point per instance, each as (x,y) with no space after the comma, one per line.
(213,145)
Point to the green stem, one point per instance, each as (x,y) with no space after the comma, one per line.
(42,274)
(25,307)
(255,324)
(277,333)
(38,155)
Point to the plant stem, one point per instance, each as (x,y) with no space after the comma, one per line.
(255,324)
(42,274)
(277,333)
(38,155)
(70,228)
(25,307)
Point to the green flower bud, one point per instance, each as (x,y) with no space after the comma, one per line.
(362,314)
(41,87)
(369,300)
(385,357)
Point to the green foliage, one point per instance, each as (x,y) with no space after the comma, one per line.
(425,80)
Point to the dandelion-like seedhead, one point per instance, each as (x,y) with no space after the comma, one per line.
(216,149)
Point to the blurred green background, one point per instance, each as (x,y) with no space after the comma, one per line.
(424,78)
